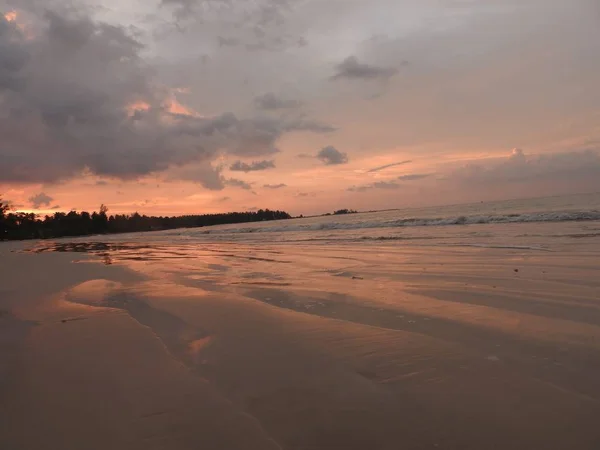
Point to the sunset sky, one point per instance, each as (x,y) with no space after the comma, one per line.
(198,106)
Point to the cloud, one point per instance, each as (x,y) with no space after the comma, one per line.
(101,183)
(387,166)
(240,166)
(376,185)
(55,207)
(520,174)
(332,156)
(205,174)
(309,125)
(227,42)
(234,182)
(413,176)
(77,96)
(224,199)
(258,24)
(275,186)
(40,199)
(352,69)
(271,102)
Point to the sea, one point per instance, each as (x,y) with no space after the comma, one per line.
(534,223)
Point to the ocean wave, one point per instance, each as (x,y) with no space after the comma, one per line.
(282,227)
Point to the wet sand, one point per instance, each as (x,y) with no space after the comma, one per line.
(299,346)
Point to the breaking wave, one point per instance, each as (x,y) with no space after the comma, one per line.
(297,225)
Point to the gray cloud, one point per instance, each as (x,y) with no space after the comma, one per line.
(227,42)
(414,176)
(234,182)
(69,92)
(332,156)
(258,24)
(101,183)
(275,186)
(271,102)
(352,69)
(40,199)
(204,174)
(240,166)
(309,125)
(577,168)
(376,185)
(387,166)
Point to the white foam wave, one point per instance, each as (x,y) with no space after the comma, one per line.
(282,226)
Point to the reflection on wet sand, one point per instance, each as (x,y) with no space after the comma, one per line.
(374,346)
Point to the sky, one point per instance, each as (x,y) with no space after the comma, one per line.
(202,106)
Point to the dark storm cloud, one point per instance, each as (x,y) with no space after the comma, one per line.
(68,105)
(352,69)
(387,166)
(40,199)
(275,186)
(332,156)
(240,166)
(271,102)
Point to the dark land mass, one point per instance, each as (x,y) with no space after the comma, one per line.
(17,226)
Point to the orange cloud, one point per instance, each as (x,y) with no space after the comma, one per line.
(172,107)
(137,106)
(11,16)
(177,108)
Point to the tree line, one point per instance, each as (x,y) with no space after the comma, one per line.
(20,225)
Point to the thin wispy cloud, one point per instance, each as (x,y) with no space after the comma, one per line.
(387,166)
(414,176)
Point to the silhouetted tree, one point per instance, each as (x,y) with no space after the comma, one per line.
(344,211)
(3,210)
(28,226)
